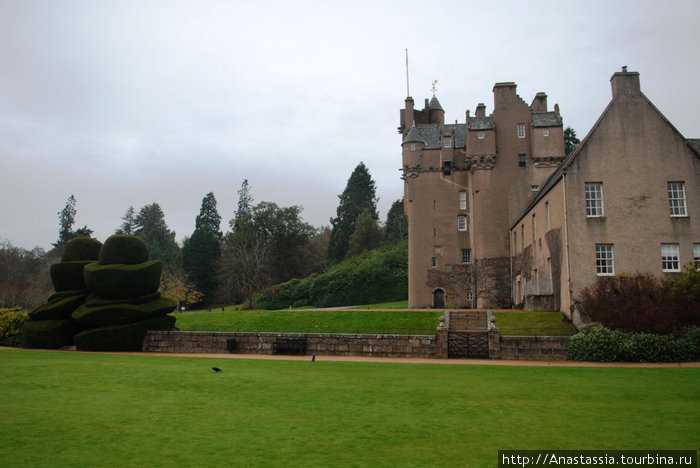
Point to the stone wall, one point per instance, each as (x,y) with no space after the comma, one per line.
(538,348)
(264,343)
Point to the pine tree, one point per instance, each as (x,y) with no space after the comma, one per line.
(367,235)
(202,250)
(396,223)
(359,195)
(129,223)
(570,140)
(151,228)
(66,219)
(245,206)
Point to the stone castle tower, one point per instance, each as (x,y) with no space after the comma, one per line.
(464,184)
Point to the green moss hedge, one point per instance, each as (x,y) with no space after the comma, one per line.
(95,300)
(49,334)
(121,281)
(81,248)
(121,337)
(58,309)
(123,249)
(377,276)
(11,322)
(116,314)
(597,343)
(67,276)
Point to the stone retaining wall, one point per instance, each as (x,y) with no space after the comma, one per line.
(540,348)
(316,343)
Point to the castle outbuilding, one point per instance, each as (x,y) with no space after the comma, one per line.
(495,209)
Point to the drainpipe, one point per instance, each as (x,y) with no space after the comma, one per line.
(566,241)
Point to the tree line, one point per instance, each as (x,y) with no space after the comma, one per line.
(265,244)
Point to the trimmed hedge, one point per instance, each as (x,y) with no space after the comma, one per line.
(68,276)
(50,334)
(116,314)
(124,249)
(597,343)
(94,300)
(121,281)
(81,248)
(58,309)
(121,337)
(11,322)
(377,276)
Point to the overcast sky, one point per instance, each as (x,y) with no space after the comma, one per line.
(126,103)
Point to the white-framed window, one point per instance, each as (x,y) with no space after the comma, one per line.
(521,130)
(594,199)
(413,146)
(669,258)
(462,223)
(462,200)
(433,262)
(545,132)
(604,260)
(466,256)
(534,188)
(437,251)
(480,135)
(447,142)
(696,255)
(676,198)
(470,296)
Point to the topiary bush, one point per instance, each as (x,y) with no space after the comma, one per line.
(123,249)
(81,249)
(121,281)
(49,334)
(120,313)
(11,322)
(127,337)
(597,343)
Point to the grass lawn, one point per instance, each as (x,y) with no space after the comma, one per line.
(312,321)
(385,305)
(533,323)
(89,410)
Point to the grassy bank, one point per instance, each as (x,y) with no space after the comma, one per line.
(87,410)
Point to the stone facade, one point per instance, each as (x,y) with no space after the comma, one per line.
(535,348)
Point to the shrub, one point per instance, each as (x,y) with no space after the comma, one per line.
(50,334)
(598,343)
(123,248)
(81,248)
(121,337)
(121,313)
(123,281)
(639,303)
(11,321)
(68,276)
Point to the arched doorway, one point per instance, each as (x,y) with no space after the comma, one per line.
(438,299)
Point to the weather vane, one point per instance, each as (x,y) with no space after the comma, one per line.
(434,88)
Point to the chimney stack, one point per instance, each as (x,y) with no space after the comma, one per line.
(625,83)
(481,110)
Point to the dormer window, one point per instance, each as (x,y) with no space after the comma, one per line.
(447,142)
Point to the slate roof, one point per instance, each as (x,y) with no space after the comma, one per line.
(545,119)
(435,104)
(429,135)
(480,123)
(694,143)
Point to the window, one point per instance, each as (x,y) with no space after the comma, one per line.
(534,188)
(470,296)
(594,199)
(696,255)
(669,258)
(676,198)
(437,251)
(434,232)
(546,215)
(447,168)
(434,204)
(480,135)
(413,146)
(466,256)
(534,230)
(521,130)
(447,142)
(522,237)
(515,241)
(545,132)
(462,200)
(604,261)
(462,223)
(522,159)
(433,262)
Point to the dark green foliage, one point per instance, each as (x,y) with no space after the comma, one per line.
(66,219)
(377,276)
(641,303)
(597,343)
(121,313)
(123,249)
(11,322)
(127,337)
(119,281)
(366,236)
(129,224)
(570,140)
(151,228)
(58,308)
(95,300)
(68,276)
(81,248)
(396,223)
(49,334)
(23,279)
(359,195)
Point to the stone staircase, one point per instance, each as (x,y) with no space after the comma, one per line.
(469,320)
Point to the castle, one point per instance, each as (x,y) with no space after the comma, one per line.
(499,216)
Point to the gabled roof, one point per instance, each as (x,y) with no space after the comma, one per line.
(546,119)
(694,144)
(429,135)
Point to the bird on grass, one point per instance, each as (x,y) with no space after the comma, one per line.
(216,369)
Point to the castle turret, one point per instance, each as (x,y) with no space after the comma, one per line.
(437,114)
